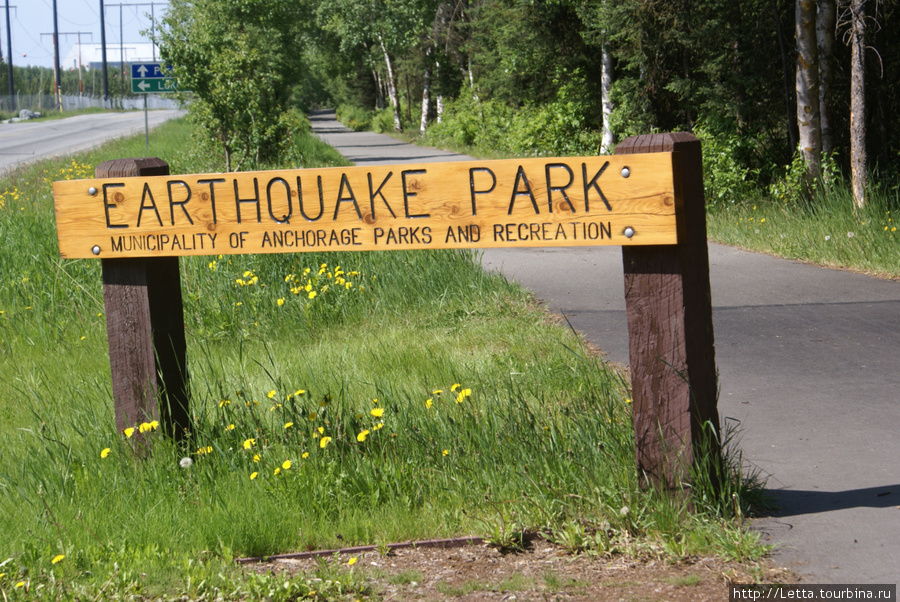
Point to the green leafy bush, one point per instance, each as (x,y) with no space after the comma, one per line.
(561,127)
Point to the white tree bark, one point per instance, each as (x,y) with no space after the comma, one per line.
(439,101)
(606,68)
(426,92)
(808,87)
(472,81)
(392,86)
(858,157)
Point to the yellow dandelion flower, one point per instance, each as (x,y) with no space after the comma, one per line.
(323,443)
(312,294)
(288,425)
(280,302)
(362,436)
(455,387)
(277,470)
(286,464)
(428,403)
(304,455)
(437,391)
(248,443)
(129,432)
(253,475)
(377,412)
(20,584)
(378,426)
(154,424)
(352,561)
(256,457)
(463,394)
(299,392)
(144,427)
(321,429)
(224,403)
(105,452)
(271,394)
(446,452)
(58,558)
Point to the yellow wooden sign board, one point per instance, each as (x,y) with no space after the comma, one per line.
(553,202)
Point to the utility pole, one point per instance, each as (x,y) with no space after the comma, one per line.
(9,66)
(56,35)
(56,56)
(122,37)
(103,51)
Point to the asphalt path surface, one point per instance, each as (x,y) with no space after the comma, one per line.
(808,372)
(28,141)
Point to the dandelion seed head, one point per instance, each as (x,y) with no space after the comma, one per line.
(185,462)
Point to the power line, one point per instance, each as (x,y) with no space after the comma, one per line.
(122,40)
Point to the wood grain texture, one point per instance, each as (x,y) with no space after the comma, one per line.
(510,203)
(145,328)
(669,308)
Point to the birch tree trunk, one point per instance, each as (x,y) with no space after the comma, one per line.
(392,86)
(379,90)
(858,158)
(826,19)
(606,68)
(426,92)
(439,101)
(807,85)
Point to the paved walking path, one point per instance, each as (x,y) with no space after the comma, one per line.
(809,371)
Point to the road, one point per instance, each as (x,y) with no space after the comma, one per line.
(28,141)
(808,373)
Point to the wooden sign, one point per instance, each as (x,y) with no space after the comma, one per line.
(556,202)
(138,220)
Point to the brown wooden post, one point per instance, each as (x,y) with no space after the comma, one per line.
(672,350)
(145,327)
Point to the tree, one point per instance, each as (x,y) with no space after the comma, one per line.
(858,157)
(826,18)
(387,28)
(239,58)
(808,87)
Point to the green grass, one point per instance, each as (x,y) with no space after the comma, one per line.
(317,423)
(824,230)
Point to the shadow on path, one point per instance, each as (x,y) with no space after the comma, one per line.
(793,502)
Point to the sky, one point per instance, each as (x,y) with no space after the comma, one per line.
(31,18)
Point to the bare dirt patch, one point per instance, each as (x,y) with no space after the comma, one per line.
(542,572)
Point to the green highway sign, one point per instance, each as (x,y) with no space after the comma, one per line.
(155,85)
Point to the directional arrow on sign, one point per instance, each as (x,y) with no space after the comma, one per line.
(150,70)
(155,85)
